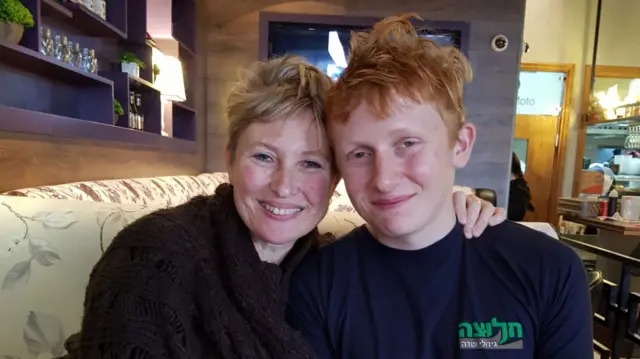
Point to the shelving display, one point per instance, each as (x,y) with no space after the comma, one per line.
(611,124)
(614,98)
(58,88)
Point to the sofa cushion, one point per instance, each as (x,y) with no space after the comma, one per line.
(47,250)
(168,191)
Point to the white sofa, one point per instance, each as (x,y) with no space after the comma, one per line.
(51,237)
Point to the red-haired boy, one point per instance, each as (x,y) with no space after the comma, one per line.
(408,285)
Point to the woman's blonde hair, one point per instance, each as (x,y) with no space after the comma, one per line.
(275,90)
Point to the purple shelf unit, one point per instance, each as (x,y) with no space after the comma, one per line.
(184,113)
(53,9)
(42,84)
(91,24)
(72,19)
(184,121)
(52,98)
(137,36)
(52,125)
(122,85)
(183,18)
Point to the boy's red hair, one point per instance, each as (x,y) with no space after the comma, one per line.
(392,59)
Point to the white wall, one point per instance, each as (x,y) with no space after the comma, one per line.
(561,31)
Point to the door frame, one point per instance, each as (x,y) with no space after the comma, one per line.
(557,175)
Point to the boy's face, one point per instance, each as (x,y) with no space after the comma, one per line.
(399,171)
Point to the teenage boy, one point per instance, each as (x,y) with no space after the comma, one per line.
(408,285)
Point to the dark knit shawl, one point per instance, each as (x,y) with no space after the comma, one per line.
(188,283)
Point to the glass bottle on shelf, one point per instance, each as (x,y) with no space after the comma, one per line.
(132,110)
(65,50)
(58,52)
(46,42)
(140,112)
(71,45)
(76,56)
(86,60)
(93,62)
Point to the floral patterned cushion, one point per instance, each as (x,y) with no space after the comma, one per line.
(47,250)
(169,191)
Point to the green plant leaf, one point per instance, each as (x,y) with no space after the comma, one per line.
(13,11)
(117,108)
(129,57)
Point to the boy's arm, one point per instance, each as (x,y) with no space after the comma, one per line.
(566,329)
(305,311)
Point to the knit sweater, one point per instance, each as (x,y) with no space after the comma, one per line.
(185,283)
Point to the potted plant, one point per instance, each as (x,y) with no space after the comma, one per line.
(156,72)
(117,111)
(131,64)
(14,18)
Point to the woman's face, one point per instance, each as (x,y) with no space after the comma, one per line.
(281,173)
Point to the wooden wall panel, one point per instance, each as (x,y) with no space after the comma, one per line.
(232,42)
(26,162)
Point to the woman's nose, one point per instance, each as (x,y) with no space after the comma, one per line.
(283,183)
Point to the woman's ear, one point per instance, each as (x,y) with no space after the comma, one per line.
(227,161)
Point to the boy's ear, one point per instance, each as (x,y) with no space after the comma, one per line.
(464,145)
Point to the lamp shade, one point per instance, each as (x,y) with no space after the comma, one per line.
(170,80)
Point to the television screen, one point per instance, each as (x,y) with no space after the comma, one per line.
(327,46)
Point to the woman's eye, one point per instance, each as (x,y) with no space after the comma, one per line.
(312,164)
(262,157)
(408,143)
(359,155)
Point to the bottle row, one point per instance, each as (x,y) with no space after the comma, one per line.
(60,48)
(99,7)
(136,114)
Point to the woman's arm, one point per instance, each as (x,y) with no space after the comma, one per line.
(133,302)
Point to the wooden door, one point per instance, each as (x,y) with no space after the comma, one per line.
(534,143)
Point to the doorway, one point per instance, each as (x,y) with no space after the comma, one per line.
(534,144)
(539,136)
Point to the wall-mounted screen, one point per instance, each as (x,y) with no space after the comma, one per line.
(327,46)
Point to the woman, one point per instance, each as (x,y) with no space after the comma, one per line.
(208,279)
(519,192)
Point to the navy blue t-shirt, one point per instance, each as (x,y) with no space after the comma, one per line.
(513,293)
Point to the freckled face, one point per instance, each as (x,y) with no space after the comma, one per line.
(398,171)
(282,178)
